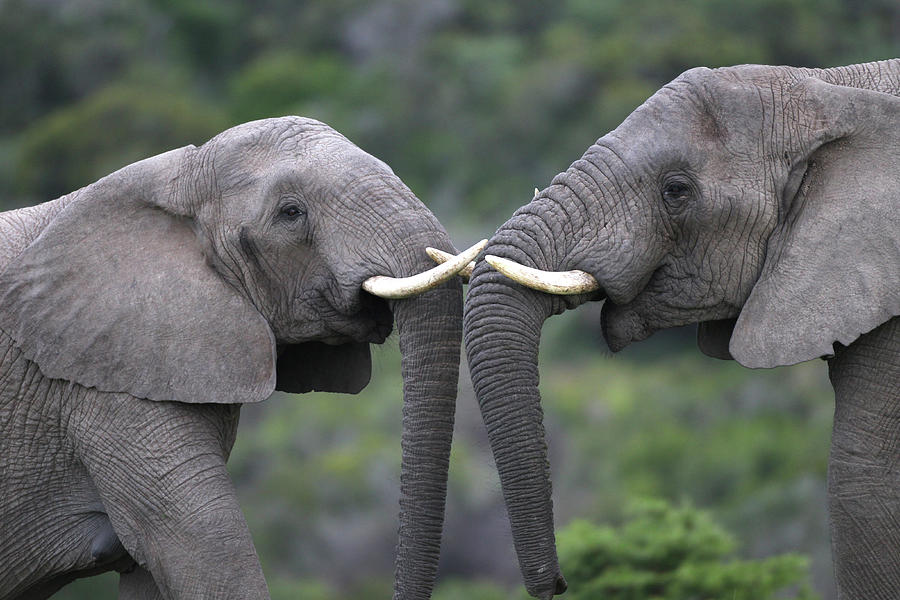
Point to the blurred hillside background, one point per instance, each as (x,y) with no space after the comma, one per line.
(473,103)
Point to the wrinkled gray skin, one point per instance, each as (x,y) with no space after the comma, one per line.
(761,202)
(138,313)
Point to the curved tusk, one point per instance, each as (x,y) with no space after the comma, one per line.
(403,287)
(552,282)
(440,257)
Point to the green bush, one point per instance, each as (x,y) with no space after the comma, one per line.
(283,83)
(664,552)
(116,126)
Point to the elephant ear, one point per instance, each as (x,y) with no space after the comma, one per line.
(832,269)
(319,367)
(115,294)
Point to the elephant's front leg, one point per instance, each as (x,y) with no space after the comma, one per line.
(160,470)
(864,467)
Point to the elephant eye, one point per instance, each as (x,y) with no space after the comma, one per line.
(292,211)
(676,192)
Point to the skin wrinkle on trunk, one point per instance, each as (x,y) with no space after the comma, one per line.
(611,250)
(502,328)
(430,333)
(429,326)
(510,406)
(585,238)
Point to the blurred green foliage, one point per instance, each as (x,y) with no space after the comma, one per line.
(146,121)
(671,553)
(473,103)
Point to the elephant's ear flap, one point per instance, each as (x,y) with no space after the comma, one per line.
(832,269)
(318,367)
(115,294)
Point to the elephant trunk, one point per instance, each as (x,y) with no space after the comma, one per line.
(502,330)
(430,332)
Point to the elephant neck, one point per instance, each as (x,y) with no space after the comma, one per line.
(879,76)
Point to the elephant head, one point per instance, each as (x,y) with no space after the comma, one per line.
(759,202)
(217,274)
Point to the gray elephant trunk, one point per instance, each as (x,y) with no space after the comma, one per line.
(430,334)
(502,331)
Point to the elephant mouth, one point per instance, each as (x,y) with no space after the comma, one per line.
(377,316)
(371,321)
(621,326)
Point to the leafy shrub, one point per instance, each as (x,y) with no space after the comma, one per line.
(664,552)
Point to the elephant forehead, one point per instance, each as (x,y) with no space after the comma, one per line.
(700,108)
(268,133)
(255,147)
(333,159)
(661,135)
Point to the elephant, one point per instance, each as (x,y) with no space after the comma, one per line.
(138,313)
(760,202)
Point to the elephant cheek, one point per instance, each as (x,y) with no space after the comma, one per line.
(621,325)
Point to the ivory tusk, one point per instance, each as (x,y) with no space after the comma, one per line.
(552,282)
(440,257)
(404,287)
